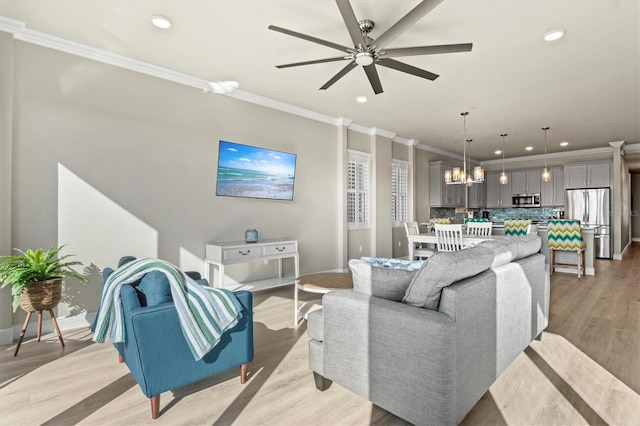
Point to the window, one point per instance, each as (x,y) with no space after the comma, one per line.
(399,192)
(358,190)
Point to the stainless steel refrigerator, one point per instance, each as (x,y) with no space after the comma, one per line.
(592,207)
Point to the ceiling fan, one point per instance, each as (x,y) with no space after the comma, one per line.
(369,52)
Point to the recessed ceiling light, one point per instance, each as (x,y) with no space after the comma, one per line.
(529,148)
(564,143)
(553,34)
(161,21)
(361,99)
(498,152)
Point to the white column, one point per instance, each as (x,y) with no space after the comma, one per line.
(617,205)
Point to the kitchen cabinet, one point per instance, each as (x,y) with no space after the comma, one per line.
(553,191)
(441,194)
(526,182)
(591,175)
(477,195)
(498,195)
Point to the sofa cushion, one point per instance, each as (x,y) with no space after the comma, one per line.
(503,251)
(442,270)
(527,245)
(155,288)
(512,248)
(387,283)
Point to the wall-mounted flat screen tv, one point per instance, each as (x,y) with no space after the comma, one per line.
(253,172)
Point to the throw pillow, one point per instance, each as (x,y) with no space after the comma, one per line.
(442,270)
(383,262)
(155,288)
(386,283)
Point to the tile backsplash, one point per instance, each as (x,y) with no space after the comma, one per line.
(498,215)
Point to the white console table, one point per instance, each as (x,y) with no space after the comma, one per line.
(219,255)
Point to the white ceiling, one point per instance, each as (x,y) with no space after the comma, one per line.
(585,86)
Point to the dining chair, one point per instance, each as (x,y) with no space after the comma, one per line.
(479,228)
(419,252)
(565,235)
(449,237)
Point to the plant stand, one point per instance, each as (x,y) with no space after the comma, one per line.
(26,323)
(38,297)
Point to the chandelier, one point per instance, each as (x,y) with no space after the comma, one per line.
(462,176)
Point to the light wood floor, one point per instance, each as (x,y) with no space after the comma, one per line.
(586,370)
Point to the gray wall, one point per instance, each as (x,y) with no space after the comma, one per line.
(112,162)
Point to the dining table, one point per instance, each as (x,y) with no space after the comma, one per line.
(468,240)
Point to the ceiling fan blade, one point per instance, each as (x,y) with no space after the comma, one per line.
(338,76)
(372,74)
(311,39)
(427,50)
(351,22)
(409,69)
(406,22)
(317,61)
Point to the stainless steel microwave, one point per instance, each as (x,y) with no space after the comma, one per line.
(526,200)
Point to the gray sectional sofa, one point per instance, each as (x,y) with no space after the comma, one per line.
(427,344)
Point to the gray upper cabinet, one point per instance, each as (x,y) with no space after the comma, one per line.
(526,182)
(441,194)
(553,191)
(477,195)
(497,195)
(592,175)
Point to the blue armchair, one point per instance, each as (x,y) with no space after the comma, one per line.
(155,349)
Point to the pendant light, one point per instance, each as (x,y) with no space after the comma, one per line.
(459,175)
(504,179)
(546,173)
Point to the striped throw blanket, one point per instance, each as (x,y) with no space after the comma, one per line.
(205,313)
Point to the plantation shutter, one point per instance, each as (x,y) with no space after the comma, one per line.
(358,190)
(399,192)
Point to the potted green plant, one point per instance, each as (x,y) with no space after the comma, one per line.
(35,277)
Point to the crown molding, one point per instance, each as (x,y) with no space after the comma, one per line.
(439,151)
(285,107)
(405,141)
(343,121)
(564,154)
(633,147)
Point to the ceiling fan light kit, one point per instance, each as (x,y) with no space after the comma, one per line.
(369,52)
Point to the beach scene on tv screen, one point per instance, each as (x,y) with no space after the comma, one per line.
(253,172)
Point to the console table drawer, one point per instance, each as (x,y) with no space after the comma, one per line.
(241,253)
(276,249)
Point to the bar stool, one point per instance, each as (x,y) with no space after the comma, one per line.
(565,235)
(517,226)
